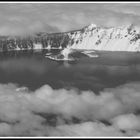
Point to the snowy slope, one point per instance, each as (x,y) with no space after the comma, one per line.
(92,37)
(125,38)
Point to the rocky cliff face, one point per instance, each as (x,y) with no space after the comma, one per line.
(92,37)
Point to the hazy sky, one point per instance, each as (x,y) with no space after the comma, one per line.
(17,18)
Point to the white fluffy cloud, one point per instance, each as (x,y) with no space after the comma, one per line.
(127,122)
(87,129)
(61,112)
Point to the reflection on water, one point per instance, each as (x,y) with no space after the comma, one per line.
(34,70)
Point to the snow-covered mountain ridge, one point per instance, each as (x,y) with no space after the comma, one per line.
(124,38)
(92,37)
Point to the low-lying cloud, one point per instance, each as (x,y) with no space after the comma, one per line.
(61,112)
(28,18)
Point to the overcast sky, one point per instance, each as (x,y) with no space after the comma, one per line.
(18,18)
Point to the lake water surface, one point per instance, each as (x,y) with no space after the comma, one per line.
(110,69)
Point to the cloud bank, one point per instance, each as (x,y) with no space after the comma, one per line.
(61,112)
(28,18)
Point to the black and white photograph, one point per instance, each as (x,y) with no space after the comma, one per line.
(70,69)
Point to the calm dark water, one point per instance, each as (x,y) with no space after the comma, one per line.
(34,70)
